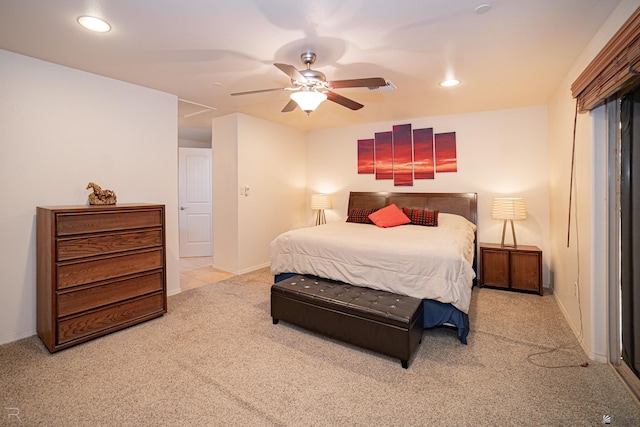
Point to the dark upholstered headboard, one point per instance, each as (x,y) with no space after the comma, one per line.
(463,204)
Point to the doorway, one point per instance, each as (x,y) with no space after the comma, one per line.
(195,202)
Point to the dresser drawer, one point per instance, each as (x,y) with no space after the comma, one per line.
(82,272)
(97,221)
(86,246)
(108,293)
(109,317)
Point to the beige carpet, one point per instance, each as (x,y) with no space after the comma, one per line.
(217,359)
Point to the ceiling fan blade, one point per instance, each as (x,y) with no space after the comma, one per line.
(345,102)
(291,105)
(260,91)
(292,72)
(366,82)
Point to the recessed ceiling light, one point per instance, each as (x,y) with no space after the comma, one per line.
(94,24)
(483,8)
(450,82)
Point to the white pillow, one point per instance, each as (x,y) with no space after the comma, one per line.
(455,221)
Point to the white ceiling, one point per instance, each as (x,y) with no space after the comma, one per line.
(202,50)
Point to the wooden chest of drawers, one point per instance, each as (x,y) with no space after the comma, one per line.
(100,269)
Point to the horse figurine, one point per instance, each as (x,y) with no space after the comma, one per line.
(100,196)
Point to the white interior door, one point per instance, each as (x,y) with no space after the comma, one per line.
(194,182)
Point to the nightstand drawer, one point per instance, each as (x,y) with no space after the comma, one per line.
(495,270)
(525,273)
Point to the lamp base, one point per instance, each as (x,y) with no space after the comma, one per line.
(320,218)
(513,232)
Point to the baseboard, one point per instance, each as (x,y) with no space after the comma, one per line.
(591,355)
(173,292)
(244,270)
(254,268)
(15,337)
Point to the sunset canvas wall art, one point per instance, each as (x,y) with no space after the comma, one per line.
(402,155)
(446,158)
(383,146)
(423,154)
(405,154)
(366,156)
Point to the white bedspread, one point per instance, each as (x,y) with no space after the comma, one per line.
(422,262)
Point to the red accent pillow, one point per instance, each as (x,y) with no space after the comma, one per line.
(422,216)
(389,216)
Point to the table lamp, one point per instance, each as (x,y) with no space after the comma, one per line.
(508,209)
(321,202)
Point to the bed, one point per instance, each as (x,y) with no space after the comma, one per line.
(434,264)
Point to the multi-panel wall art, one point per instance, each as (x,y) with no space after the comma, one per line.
(405,154)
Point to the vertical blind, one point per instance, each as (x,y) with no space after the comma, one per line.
(613,69)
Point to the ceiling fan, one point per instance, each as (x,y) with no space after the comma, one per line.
(310,87)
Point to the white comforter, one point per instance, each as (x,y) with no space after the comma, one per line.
(422,262)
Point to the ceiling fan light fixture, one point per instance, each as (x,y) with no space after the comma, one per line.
(94,24)
(312,87)
(308,100)
(450,83)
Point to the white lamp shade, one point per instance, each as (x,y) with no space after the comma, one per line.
(321,201)
(308,100)
(508,208)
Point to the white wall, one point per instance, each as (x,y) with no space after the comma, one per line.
(191,143)
(224,174)
(500,153)
(62,128)
(193,137)
(584,261)
(268,158)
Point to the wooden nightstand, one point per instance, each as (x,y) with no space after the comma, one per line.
(511,268)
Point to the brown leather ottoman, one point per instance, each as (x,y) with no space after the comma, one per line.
(376,320)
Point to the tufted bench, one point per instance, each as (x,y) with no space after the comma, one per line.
(376,320)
